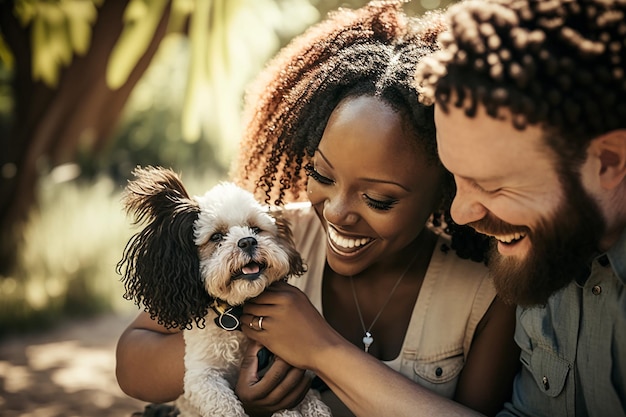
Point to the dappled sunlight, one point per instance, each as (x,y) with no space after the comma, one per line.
(72,366)
(69,371)
(68,261)
(16,378)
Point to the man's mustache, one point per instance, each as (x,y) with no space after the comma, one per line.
(492,225)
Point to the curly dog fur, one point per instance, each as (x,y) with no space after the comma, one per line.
(195,256)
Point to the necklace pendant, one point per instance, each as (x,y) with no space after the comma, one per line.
(367,341)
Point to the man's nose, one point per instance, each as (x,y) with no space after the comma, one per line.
(466,206)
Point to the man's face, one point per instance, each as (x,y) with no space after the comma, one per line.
(545,226)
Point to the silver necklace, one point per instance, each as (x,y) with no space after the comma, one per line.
(368,338)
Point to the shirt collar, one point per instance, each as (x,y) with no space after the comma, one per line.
(617,257)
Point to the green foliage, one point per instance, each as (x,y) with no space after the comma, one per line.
(179,115)
(149,132)
(67,265)
(6,98)
(6,57)
(141,18)
(59,29)
(229,42)
(73,244)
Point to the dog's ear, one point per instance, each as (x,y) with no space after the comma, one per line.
(285,237)
(161,267)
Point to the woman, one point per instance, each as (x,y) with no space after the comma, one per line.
(335,114)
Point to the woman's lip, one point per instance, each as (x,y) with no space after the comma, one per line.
(344,245)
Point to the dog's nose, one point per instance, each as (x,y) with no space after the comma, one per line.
(247,244)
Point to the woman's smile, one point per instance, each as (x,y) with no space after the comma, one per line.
(373,206)
(346,245)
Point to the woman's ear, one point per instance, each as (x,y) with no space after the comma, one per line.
(610,149)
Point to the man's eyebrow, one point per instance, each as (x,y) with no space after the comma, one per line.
(480,183)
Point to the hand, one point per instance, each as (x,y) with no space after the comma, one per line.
(292,327)
(281,387)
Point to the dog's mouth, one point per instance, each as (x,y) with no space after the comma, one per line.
(249,272)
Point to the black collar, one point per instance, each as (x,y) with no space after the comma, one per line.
(227,315)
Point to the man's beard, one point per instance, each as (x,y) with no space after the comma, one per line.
(561,248)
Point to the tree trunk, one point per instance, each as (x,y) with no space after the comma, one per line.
(49,124)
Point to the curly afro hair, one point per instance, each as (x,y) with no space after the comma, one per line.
(370,51)
(558,64)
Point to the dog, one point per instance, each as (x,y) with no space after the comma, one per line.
(196,261)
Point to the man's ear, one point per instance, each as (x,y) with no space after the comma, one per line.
(610,149)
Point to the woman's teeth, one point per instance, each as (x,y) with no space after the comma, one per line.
(346,242)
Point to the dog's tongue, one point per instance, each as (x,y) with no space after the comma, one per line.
(251,268)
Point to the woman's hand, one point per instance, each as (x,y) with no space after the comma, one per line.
(281,386)
(293,329)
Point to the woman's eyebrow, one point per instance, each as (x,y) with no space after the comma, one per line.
(376,180)
(324,158)
(381,181)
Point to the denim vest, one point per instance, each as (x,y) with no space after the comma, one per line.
(573,350)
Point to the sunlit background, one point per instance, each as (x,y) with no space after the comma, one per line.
(90,89)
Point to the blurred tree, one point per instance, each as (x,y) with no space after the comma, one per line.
(61,97)
(60,94)
(74,64)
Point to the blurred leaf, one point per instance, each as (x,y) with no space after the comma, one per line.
(196,84)
(25,10)
(45,67)
(80,17)
(6,56)
(179,14)
(141,19)
(58,30)
(242,35)
(59,44)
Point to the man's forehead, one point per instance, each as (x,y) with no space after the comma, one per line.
(476,146)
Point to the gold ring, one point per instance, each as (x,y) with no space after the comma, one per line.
(260,323)
(251,323)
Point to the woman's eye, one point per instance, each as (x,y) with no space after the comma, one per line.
(379,205)
(216,237)
(311,172)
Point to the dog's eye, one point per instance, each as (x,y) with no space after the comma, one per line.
(216,237)
(256,230)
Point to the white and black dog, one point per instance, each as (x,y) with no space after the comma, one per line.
(196,261)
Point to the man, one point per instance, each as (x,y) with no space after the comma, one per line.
(530,108)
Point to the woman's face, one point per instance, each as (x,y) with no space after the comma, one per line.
(370,186)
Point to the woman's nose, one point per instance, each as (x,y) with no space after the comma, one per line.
(340,211)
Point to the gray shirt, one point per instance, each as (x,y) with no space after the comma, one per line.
(573,350)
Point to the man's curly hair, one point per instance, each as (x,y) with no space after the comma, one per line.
(558,64)
(371,51)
